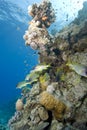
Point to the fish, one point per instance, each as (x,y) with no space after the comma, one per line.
(78,68)
(33,81)
(18,28)
(40,68)
(31,76)
(27,77)
(22,84)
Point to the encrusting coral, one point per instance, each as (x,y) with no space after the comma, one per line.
(54,96)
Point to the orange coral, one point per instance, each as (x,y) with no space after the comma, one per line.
(19,105)
(44,18)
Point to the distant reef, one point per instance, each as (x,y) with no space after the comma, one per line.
(57,98)
(81,14)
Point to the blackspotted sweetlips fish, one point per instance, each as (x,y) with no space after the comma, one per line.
(78,68)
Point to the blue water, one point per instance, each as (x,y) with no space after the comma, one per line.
(16,60)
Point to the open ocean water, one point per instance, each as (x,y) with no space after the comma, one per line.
(16,60)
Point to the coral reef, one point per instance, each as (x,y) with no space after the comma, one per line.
(17,116)
(57,99)
(81,14)
(43,13)
(37,35)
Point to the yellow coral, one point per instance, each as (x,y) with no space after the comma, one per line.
(51,103)
(44,80)
(43,83)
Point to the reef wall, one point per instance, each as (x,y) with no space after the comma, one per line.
(58,97)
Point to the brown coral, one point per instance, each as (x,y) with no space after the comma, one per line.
(42,12)
(47,100)
(51,103)
(59,110)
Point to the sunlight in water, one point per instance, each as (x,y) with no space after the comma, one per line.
(67,9)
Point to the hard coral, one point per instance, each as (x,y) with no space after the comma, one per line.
(47,100)
(17,116)
(37,37)
(59,110)
(42,12)
(51,103)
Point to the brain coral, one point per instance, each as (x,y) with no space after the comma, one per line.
(47,100)
(51,103)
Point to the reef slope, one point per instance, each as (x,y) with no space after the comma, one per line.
(58,97)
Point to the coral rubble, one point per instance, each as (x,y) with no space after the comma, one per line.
(58,97)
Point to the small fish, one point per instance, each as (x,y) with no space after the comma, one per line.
(18,28)
(22,84)
(78,68)
(25,61)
